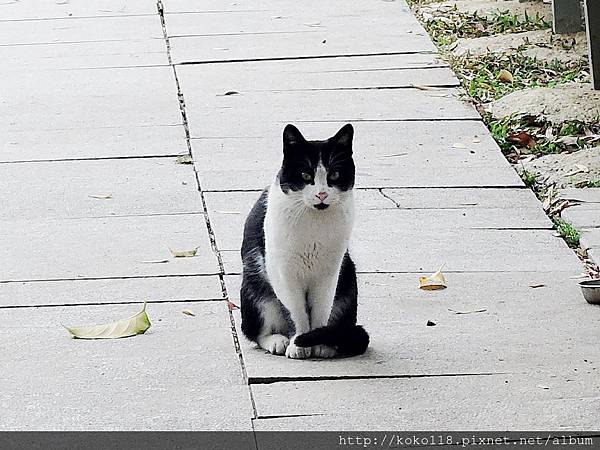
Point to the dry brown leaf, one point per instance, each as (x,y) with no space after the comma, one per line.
(232,306)
(522,138)
(184,253)
(505,76)
(187,312)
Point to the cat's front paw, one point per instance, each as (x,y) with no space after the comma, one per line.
(275,344)
(295,352)
(323,351)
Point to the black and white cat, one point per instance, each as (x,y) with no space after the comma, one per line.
(299,292)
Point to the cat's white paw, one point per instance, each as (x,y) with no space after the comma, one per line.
(295,352)
(274,343)
(323,351)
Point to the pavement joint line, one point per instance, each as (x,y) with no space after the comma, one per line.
(42,19)
(272,380)
(133,277)
(251,33)
(118,216)
(104,127)
(285,416)
(421,119)
(287,58)
(105,158)
(446,271)
(211,234)
(518,186)
(138,302)
(91,41)
(363,88)
(141,66)
(426,66)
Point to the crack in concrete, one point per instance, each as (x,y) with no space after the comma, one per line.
(211,234)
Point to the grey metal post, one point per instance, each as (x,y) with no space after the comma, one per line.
(566,16)
(592,20)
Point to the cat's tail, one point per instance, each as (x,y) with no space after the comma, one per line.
(350,340)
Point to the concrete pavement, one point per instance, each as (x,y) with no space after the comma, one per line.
(91,108)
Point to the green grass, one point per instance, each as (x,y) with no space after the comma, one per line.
(570,234)
(479,75)
(449,24)
(590,184)
(529,179)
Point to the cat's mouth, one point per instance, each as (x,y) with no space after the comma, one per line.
(321,206)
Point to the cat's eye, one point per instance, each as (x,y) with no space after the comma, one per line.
(306,176)
(333,176)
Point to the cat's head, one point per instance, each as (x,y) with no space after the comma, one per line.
(320,173)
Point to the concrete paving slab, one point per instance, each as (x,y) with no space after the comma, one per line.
(257,112)
(82,55)
(590,196)
(424,236)
(459,403)
(286,31)
(67,189)
(306,20)
(590,238)
(120,141)
(182,374)
(104,247)
(498,321)
(333,73)
(333,7)
(467,198)
(74,8)
(582,216)
(91,29)
(94,98)
(387,154)
(109,291)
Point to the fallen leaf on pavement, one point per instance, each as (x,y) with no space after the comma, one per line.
(187,312)
(184,159)
(227,212)
(136,324)
(541,386)
(431,323)
(433,282)
(505,76)
(535,286)
(459,145)
(231,93)
(156,261)
(425,88)
(393,155)
(232,306)
(101,196)
(467,312)
(184,253)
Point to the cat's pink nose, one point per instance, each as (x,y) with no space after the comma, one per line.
(322,196)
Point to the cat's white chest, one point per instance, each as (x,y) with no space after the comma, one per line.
(305,243)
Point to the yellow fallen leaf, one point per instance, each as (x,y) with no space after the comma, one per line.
(136,324)
(505,76)
(459,145)
(187,312)
(184,253)
(101,196)
(433,282)
(184,159)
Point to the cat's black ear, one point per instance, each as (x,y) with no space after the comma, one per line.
(343,138)
(292,137)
